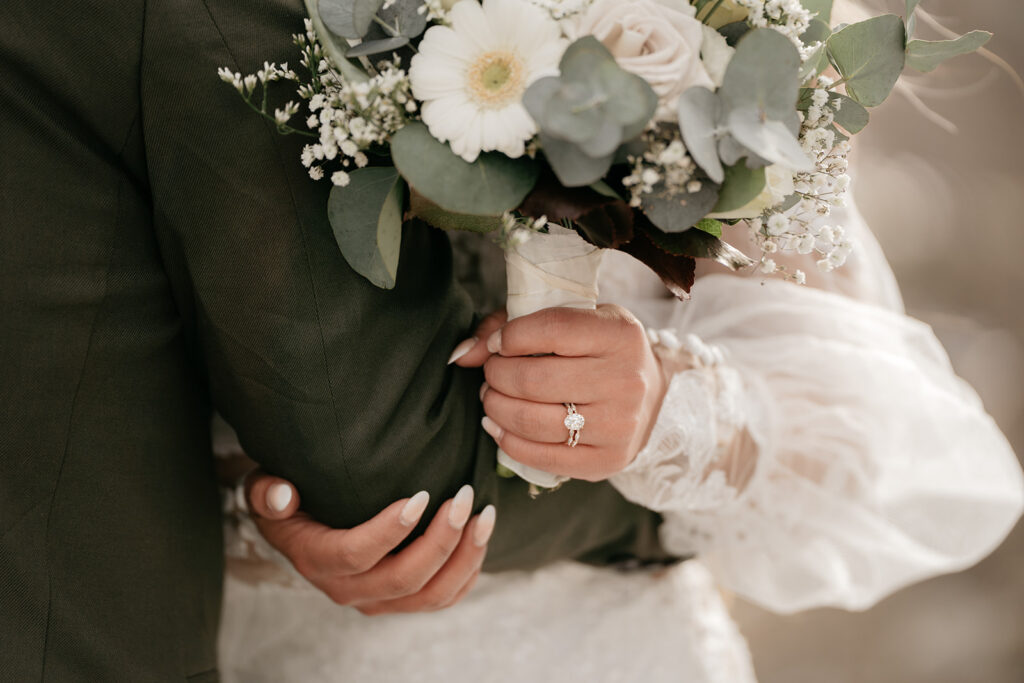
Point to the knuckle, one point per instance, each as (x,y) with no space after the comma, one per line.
(525,422)
(400,583)
(524,377)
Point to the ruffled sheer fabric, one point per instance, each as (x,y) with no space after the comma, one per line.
(815,447)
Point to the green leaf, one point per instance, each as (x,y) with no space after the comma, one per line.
(699,114)
(710,226)
(741,185)
(851,115)
(869,55)
(366,218)
(679,212)
(489,186)
(699,244)
(763,75)
(817,32)
(333,46)
(349,18)
(771,140)
(819,9)
(573,166)
(373,47)
(432,214)
(925,55)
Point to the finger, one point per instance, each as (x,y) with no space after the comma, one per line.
(444,589)
(407,572)
(473,352)
(579,462)
(270,497)
(553,379)
(545,422)
(567,332)
(320,551)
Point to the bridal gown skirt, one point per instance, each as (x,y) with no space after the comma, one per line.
(568,622)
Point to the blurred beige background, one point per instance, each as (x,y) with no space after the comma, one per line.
(949,211)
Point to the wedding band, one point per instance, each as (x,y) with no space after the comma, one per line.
(574,423)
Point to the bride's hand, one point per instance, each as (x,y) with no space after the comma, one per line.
(602,362)
(353,567)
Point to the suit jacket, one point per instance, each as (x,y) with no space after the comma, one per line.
(162,250)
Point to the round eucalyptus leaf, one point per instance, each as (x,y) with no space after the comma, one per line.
(699,114)
(869,55)
(763,76)
(405,18)
(851,115)
(679,212)
(492,184)
(366,218)
(819,9)
(349,18)
(769,139)
(573,166)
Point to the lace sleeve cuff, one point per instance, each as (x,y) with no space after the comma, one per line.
(700,455)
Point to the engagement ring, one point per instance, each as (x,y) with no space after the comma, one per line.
(574,423)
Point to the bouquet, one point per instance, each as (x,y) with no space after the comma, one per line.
(566,127)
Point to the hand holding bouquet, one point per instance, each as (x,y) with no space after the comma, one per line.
(570,126)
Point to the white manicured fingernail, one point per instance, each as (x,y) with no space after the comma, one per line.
(484,526)
(483,390)
(414,508)
(462,349)
(494,342)
(462,506)
(279,496)
(492,428)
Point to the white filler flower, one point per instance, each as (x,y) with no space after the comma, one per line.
(471,75)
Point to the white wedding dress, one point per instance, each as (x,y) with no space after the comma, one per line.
(815,449)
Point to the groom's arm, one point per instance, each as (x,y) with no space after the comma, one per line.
(338,385)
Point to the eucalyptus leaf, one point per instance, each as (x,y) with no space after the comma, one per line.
(349,18)
(869,56)
(734,31)
(925,55)
(678,212)
(851,115)
(492,184)
(404,18)
(366,218)
(334,46)
(373,47)
(432,214)
(819,9)
(573,166)
(763,75)
(699,114)
(741,185)
(769,139)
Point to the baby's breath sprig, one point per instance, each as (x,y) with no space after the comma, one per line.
(246,87)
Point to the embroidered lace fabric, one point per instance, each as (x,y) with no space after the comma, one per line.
(776,458)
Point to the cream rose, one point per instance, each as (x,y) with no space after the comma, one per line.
(658,40)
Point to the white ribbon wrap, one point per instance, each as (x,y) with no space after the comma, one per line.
(557,269)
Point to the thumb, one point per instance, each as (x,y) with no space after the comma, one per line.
(270,497)
(477,354)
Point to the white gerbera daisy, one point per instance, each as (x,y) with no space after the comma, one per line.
(471,75)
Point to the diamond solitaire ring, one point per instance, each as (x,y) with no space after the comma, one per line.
(574,423)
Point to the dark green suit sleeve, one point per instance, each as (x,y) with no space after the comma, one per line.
(338,385)
(111,558)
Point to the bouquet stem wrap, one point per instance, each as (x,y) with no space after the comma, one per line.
(554,269)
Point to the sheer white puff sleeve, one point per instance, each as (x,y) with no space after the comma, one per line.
(814,449)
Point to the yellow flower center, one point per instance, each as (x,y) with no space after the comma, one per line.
(496,79)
